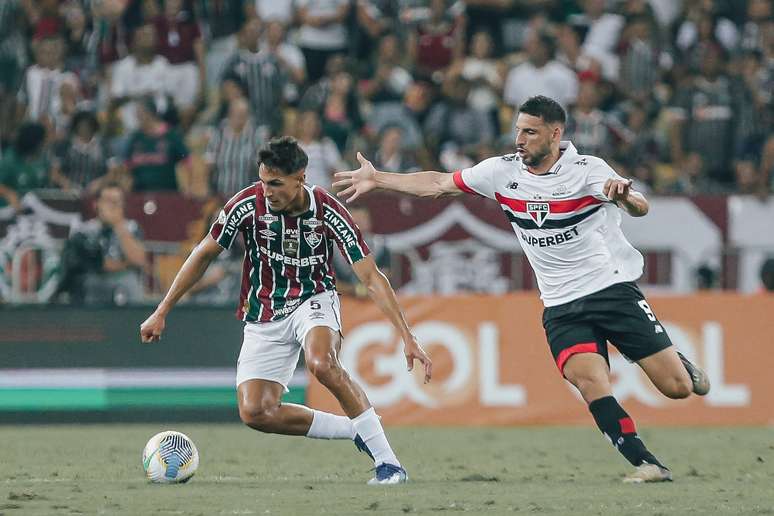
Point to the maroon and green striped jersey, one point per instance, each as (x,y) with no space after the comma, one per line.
(287,259)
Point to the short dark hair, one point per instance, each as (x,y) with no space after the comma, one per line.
(283,154)
(546,108)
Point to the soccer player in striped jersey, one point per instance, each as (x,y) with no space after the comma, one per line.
(564,208)
(288,301)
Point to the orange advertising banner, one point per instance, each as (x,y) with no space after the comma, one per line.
(492,365)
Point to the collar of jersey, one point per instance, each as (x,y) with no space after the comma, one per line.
(568,154)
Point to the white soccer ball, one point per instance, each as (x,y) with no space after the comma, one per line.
(170,458)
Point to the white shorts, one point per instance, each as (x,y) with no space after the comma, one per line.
(183,83)
(270,349)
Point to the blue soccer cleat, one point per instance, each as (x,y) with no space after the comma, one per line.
(361,446)
(388,474)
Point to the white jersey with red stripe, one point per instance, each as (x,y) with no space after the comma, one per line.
(567,227)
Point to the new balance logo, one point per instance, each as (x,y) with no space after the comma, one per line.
(513,185)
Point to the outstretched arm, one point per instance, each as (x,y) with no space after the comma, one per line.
(354,183)
(383,295)
(191,271)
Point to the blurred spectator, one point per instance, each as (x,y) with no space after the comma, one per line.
(541,74)
(272,10)
(437,41)
(231,87)
(408,115)
(154,152)
(288,55)
(638,144)
(387,80)
(322,32)
(232,150)
(25,167)
(13,55)
(453,122)
(588,127)
(706,113)
(222,20)
(83,156)
(390,155)
(180,42)
(103,260)
(570,53)
(759,20)
(262,74)
(110,39)
(639,53)
(767,274)
(324,157)
(347,283)
(49,94)
(699,28)
(77,54)
(485,75)
(373,20)
(601,29)
(144,73)
(486,17)
(341,116)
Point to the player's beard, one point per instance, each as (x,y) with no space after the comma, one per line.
(535,159)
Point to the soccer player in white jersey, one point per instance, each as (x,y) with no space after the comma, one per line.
(565,209)
(288,302)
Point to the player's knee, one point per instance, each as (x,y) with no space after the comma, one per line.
(591,384)
(325,368)
(679,387)
(258,416)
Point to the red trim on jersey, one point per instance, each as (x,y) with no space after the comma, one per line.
(627,425)
(457,176)
(565,354)
(566,206)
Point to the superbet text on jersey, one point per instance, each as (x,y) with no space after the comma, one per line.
(567,227)
(287,259)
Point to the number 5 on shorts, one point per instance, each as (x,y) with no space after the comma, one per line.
(314,305)
(646,308)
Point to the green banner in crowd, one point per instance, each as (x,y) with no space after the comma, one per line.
(58,359)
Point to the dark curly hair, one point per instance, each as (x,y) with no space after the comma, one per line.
(546,108)
(283,154)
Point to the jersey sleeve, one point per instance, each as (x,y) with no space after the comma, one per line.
(599,173)
(345,232)
(236,215)
(479,179)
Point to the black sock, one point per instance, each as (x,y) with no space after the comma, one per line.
(617,426)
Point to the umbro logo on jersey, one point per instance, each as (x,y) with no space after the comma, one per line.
(268,233)
(538,211)
(268,219)
(513,185)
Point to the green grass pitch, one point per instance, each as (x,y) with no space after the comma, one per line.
(96,469)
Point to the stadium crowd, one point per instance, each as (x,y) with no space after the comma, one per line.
(178,95)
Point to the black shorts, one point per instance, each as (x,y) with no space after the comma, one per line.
(618,314)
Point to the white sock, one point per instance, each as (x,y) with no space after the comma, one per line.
(370,429)
(330,426)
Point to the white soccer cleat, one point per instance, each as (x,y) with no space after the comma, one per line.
(388,474)
(648,473)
